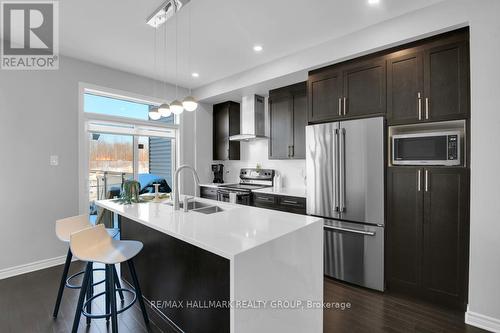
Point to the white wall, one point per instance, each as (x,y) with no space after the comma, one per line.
(39,118)
(196,129)
(482,17)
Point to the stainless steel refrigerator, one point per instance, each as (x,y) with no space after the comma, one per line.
(345,186)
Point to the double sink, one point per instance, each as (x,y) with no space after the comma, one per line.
(199,207)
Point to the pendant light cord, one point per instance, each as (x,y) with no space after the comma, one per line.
(176,53)
(166,62)
(189,47)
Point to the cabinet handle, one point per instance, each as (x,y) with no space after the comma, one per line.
(290,202)
(427,108)
(426,180)
(264,198)
(419,107)
(345,106)
(340,106)
(418,180)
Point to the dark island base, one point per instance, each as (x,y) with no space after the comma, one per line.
(181,279)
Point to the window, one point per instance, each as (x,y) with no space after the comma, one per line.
(123,143)
(118,107)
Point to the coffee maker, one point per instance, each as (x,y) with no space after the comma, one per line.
(218,170)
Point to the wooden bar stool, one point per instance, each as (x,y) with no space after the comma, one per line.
(64,229)
(96,245)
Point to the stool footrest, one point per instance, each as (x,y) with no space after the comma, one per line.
(107,315)
(75,286)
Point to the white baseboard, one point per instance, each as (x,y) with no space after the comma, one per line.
(482,321)
(31,267)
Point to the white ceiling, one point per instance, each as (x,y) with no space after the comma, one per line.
(114,33)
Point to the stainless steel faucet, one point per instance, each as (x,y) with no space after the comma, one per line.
(176,183)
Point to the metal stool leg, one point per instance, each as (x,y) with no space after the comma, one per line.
(117,284)
(108,294)
(138,291)
(114,319)
(62,285)
(90,292)
(81,298)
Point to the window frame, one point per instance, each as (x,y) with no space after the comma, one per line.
(136,127)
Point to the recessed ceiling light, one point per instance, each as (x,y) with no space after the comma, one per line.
(373,2)
(195,74)
(258,48)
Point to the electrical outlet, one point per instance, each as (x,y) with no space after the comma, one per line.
(54,160)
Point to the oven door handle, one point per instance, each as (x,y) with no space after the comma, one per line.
(354,231)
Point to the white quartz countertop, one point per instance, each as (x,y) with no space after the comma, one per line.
(235,230)
(291,192)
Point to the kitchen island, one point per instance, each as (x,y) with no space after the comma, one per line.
(242,269)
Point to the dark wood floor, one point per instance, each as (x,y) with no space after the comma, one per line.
(373,311)
(26,304)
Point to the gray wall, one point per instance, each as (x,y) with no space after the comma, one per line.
(39,118)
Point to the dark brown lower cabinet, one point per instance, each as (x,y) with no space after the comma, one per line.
(288,204)
(427,233)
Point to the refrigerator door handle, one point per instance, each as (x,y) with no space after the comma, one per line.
(335,170)
(354,231)
(342,184)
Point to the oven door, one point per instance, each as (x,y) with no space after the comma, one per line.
(241,197)
(426,149)
(354,253)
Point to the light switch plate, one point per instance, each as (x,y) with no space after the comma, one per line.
(54,160)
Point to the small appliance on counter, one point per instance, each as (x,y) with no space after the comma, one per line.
(250,179)
(218,170)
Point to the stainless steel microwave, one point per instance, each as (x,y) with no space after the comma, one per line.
(430,148)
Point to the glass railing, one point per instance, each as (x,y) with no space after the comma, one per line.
(105,185)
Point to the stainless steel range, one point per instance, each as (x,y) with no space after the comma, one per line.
(250,179)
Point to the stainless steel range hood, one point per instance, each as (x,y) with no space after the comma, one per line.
(252,119)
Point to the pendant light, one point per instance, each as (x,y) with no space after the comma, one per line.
(164,110)
(189,103)
(176,106)
(154,114)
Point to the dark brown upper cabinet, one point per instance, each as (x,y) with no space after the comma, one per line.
(429,83)
(405,88)
(364,89)
(325,95)
(446,81)
(423,81)
(226,122)
(287,122)
(352,90)
(427,233)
